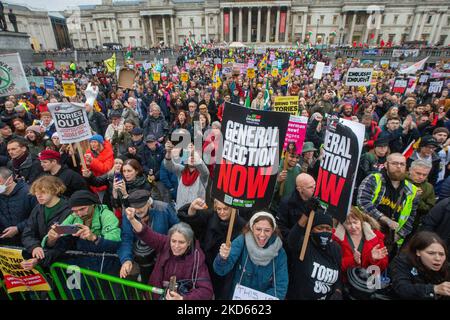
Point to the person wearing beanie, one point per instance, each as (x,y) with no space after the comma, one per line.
(160,217)
(256,257)
(51,164)
(35,137)
(373,160)
(99,160)
(427,152)
(98,232)
(318,276)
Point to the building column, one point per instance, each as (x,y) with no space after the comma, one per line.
(305,19)
(286,30)
(258,27)
(441,25)
(293,29)
(414,27)
(116,32)
(217,36)
(97,33)
(172,26)
(366,30)
(164,30)
(352,29)
(152,34)
(240,26)
(222,25)
(268,25)
(144,31)
(342,28)
(110,30)
(249,25)
(206,28)
(422,25)
(433,30)
(378,28)
(277,25)
(231,24)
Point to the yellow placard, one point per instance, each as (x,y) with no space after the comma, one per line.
(192,62)
(286,104)
(16,278)
(184,76)
(228,60)
(251,73)
(156,76)
(70,90)
(274,72)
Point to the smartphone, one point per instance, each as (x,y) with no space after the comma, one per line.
(118,177)
(68,229)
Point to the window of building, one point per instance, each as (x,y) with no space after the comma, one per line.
(160,23)
(142,41)
(91,27)
(395,19)
(404,35)
(140,23)
(107,39)
(122,40)
(94,43)
(429,19)
(120,24)
(308,20)
(130,24)
(299,18)
(133,41)
(442,39)
(180,22)
(409,19)
(382,18)
(358,19)
(104,24)
(335,19)
(391,37)
(211,20)
(448,21)
(380,36)
(203,22)
(322,18)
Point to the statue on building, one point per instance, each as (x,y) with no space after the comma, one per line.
(3,25)
(13,19)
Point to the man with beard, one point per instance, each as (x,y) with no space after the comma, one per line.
(390,199)
(347,112)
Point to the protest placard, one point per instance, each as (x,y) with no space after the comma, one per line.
(286,104)
(318,70)
(296,132)
(435,86)
(49,82)
(245,293)
(70,90)
(246,172)
(359,77)
(17,279)
(156,76)
(71,121)
(337,173)
(12,76)
(251,73)
(400,85)
(126,78)
(184,76)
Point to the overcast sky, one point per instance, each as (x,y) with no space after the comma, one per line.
(53,5)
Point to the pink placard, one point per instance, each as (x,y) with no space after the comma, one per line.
(296,131)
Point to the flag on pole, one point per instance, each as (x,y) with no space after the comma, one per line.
(415,67)
(411,147)
(111,63)
(247,100)
(217,82)
(267,96)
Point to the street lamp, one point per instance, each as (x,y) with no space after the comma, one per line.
(317,32)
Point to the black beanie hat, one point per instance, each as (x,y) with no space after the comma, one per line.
(322,218)
(83,198)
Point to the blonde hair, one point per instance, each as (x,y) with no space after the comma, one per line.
(356,213)
(48,184)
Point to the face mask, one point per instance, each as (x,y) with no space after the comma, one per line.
(322,239)
(2,188)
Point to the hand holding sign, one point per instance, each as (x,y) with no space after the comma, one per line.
(224,251)
(91,93)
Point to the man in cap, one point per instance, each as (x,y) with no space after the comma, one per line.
(51,164)
(136,148)
(98,229)
(23,114)
(308,162)
(426,152)
(159,216)
(152,156)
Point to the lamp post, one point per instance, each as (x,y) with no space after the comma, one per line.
(317,32)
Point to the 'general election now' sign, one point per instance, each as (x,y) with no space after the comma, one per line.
(246,172)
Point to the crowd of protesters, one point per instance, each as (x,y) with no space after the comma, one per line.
(128,196)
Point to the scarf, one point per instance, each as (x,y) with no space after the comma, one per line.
(20,160)
(261,256)
(189,177)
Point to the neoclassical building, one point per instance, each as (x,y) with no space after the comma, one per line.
(148,22)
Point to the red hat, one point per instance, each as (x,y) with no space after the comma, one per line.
(49,155)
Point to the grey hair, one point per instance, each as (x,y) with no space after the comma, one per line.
(155,106)
(184,229)
(216,124)
(421,163)
(5,173)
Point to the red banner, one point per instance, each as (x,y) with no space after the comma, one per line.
(226,17)
(282,22)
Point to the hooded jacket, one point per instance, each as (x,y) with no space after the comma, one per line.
(155,126)
(102,163)
(190,267)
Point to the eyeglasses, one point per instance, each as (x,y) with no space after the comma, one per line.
(397,164)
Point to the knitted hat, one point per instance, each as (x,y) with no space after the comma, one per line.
(322,218)
(83,198)
(98,138)
(36,129)
(262,214)
(49,155)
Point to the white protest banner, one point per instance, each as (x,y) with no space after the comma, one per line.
(318,70)
(217,61)
(71,121)
(245,293)
(12,77)
(326,70)
(424,78)
(359,77)
(435,87)
(94,71)
(415,67)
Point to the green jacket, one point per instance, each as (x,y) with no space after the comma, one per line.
(104,224)
(427,198)
(289,185)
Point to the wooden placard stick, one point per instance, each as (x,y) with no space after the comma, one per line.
(307,233)
(230,227)
(74,160)
(285,167)
(81,155)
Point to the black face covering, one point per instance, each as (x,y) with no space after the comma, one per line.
(321,239)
